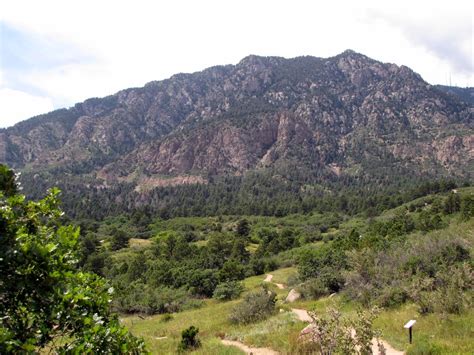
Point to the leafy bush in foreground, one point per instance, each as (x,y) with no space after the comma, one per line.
(43,297)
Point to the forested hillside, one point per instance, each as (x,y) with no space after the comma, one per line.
(268,136)
(414,260)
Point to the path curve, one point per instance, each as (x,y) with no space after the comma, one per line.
(303,316)
(248,349)
(269,278)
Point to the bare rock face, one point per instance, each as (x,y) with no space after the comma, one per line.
(348,114)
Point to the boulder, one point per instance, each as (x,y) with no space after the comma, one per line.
(293,295)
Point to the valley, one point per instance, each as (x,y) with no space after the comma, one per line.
(445,332)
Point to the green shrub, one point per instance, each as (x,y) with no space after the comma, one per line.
(467,207)
(334,333)
(228,290)
(191,303)
(293,280)
(392,296)
(166,318)
(43,294)
(270,265)
(257,266)
(313,289)
(451,294)
(138,297)
(189,340)
(256,306)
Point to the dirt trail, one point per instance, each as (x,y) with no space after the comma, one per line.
(389,350)
(303,316)
(248,349)
(269,279)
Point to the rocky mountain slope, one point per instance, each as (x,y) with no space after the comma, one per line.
(346,115)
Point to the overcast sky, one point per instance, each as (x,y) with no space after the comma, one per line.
(56,53)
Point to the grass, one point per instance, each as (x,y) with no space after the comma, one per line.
(433,333)
(200,243)
(281,275)
(211,321)
(139,243)
(448,334)
(252,247)
(279,332)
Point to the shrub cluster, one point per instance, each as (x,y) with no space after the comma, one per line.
(228,290)
(255,306)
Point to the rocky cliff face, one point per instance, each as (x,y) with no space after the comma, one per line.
(343,115)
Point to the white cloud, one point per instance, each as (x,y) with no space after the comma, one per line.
(136,42)
(17,105)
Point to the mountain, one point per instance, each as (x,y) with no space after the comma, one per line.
(339,118)
(464,94)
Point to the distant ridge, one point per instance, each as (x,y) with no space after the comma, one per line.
(344,117)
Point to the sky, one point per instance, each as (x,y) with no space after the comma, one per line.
(54,54)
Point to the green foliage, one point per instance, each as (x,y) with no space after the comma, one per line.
(43,297)
(255,306)
(335,334)
(414,270)
(423,347)
(119,239)
(231,270)
(239,252)
(228,290)
(467,207)
(273,242)
(313,289)
(7,181)
(189,339)
(137,297)
(166,318)
(452,203)
(243,228)
(451,293)
(325,264)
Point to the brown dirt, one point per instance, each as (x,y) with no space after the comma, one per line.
(269,279)
(248,349)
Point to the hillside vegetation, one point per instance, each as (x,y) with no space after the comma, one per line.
(414,261)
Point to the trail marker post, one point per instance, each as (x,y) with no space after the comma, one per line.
(409,326)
